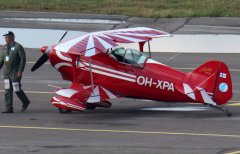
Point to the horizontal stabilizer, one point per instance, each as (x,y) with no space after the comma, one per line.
(196,94)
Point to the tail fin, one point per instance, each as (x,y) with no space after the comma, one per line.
(215,78)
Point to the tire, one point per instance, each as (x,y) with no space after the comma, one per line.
(229,114)
(64,111)
(91,107)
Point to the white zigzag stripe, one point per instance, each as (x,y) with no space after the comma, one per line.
(59,54)
(109,70)
(110,95)
(67,104)
(188,91)
(58,65)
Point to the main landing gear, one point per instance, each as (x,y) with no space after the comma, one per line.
(65,111)
(228,113)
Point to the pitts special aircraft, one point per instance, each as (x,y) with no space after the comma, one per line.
(100,71)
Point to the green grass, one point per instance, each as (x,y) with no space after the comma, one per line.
(141,8)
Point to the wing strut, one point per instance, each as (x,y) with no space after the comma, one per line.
(74,67)
(149,49)
(91,76)
(75,60)
(141,47)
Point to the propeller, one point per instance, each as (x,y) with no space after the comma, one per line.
(63,36)
(46,51)
(41,60)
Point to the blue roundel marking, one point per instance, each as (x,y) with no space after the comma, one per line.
(223,87)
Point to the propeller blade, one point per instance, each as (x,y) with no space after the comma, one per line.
(44,57)
(63,36)
(40,62)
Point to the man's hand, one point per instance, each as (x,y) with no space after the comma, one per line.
(19,75)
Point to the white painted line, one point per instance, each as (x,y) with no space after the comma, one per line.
(235,152)
(234,104)
(234,101)
(35,92)
(234,70)
(171,58)
(77,20)
(205,26)
(35,62)
(39,92)
(122,131)
(184,109)
(192,68)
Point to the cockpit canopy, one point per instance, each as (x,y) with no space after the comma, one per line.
(129,56)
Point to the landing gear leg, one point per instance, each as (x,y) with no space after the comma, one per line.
(228,113)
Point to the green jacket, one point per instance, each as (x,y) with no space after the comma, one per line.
(16,62)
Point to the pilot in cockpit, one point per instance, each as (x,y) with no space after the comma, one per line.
(118,54)
(129,56)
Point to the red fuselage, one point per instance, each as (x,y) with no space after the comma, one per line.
(152,80)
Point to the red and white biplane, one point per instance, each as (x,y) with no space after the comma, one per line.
(100,70)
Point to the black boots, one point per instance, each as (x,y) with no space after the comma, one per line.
(24,107)
(8,111)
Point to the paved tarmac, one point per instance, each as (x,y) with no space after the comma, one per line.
(125,128)
(201,25)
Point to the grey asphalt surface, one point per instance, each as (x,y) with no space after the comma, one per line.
(201,25)
(124,128)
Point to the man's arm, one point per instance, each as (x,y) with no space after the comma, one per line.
(1,58)
(22,64)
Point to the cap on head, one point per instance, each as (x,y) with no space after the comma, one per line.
(11,34)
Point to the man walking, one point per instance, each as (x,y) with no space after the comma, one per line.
(14,58)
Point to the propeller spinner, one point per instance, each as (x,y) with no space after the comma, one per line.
(46,51)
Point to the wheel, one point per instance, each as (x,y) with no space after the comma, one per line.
(64,110)
(91,107)
(229,114)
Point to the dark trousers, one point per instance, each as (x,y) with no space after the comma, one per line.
(9,96)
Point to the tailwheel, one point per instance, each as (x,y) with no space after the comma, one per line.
(228,113)
(65,111)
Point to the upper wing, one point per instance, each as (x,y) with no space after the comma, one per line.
(93,43)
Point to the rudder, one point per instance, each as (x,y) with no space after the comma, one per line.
(215,78)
